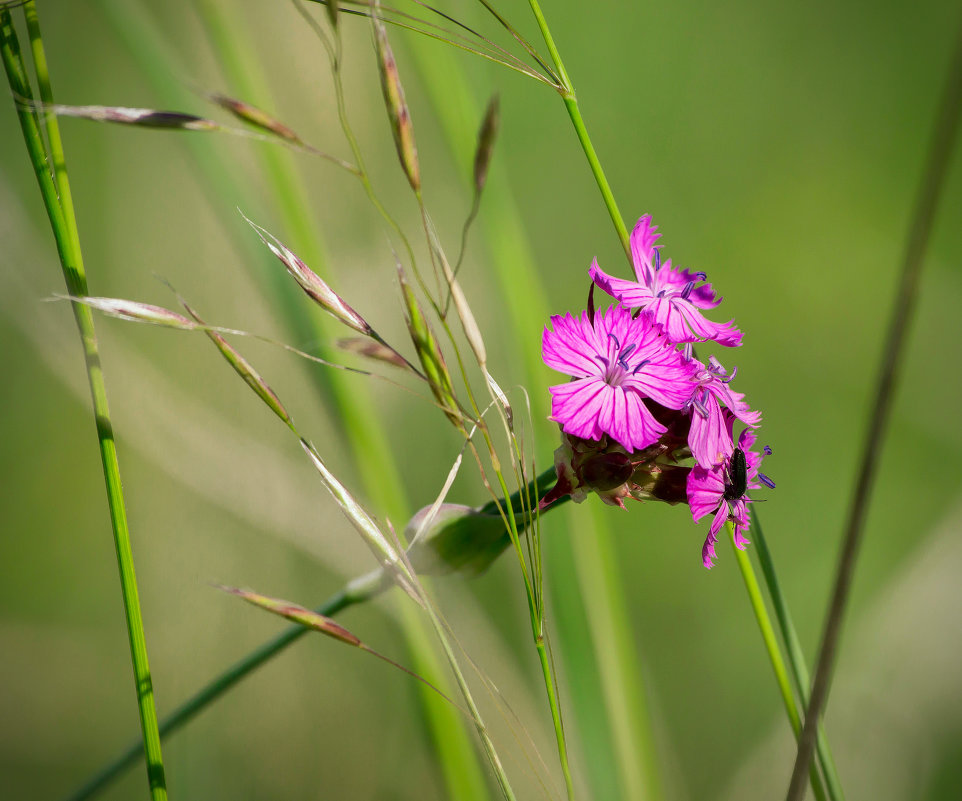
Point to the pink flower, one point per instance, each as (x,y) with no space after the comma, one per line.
(617,361)
(721,491)
(710,437)
(670,296)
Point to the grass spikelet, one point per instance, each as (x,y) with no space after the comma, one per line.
(297,614)
(312,284)
(325,625)
(245,370)
(429,352)
(383,548)
(143,117)
(371,349)
(471,330)
(252,115)
(136,312)
(486,137)
(397,108)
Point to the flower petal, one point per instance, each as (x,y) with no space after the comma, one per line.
(630,293)
(563,349)
(576,406)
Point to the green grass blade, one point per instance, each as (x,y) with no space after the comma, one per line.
(796,657)
(197,703)
(63,223)
(774,652)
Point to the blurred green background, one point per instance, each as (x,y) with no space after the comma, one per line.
(779,150)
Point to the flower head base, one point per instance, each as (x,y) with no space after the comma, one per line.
(615,475)
(670,297)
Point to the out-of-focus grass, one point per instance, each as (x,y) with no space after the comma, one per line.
(778,150)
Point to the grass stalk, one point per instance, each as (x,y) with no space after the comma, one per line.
(944,136)
(355,592)
(55,190)
(551,688)
(184,713)
(611,712)
(796,657)
(574,112)
(353,406)
(774,652)
(382,482)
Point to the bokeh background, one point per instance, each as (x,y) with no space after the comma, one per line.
(779,149)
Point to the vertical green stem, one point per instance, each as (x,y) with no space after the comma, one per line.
(556,716)
(774,653)
(796,658)
(571,103)
(63,223)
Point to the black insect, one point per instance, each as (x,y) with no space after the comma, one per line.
(737,483)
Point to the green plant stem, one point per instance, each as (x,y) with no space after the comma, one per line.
(574,112)
(612,718)
(354,593)
(944,136)
(774,653)
(555,716)
(63,223)
(184,713)
(381,476)
(796,657)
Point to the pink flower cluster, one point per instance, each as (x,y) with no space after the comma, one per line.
(639,402)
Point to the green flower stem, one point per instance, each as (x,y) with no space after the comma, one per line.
(571,103)
(63,223)
(774,653)
(796,658)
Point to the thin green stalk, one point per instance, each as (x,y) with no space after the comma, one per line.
(536,611)
(938,160)
(354,593)
(574,112)
(556,716)
(489,748)
(599,580)
(184,713)
(381,476)
(796,657)
(774,652)
(612,718)
(63,223)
